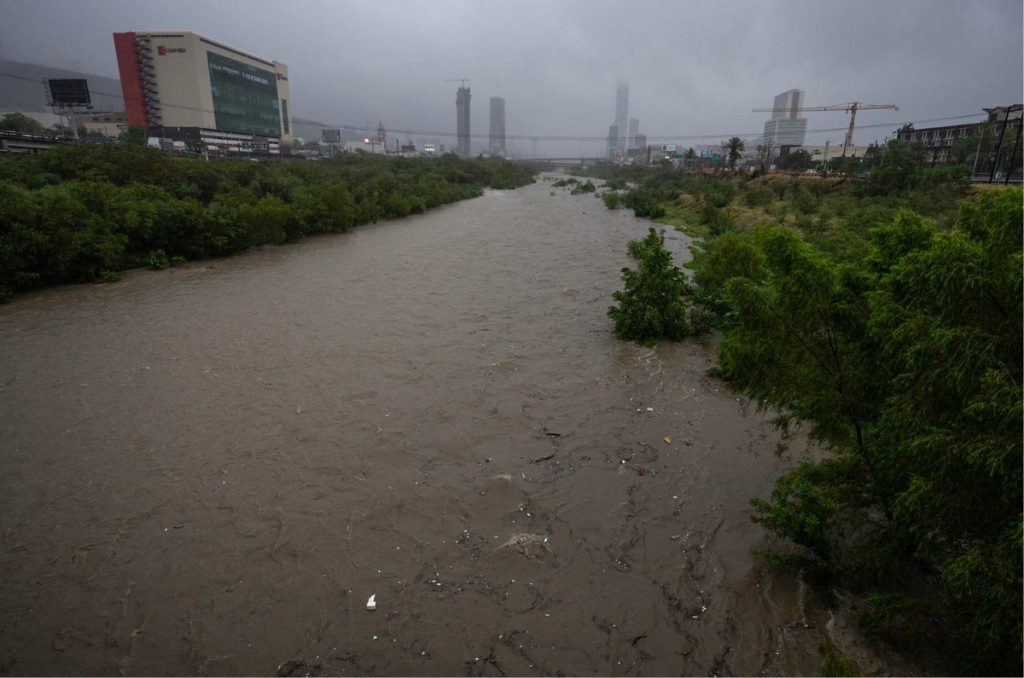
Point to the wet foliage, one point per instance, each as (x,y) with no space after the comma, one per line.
(882,318)
(655,300)
(81,213)
(906,365)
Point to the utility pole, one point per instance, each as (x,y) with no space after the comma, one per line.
(1013,154)
(977,154)
(999,145)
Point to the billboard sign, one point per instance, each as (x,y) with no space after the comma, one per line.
(244,97)
(330,136)
(69,92)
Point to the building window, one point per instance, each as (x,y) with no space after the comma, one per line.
(284,115)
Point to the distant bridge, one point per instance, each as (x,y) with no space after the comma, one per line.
(16,142)
(555,163)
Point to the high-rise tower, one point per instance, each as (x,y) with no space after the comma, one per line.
(622,113)
(497,131)
(786,128)
(634,130)
(462,120)
(613,139)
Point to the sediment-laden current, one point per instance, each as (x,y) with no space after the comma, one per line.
(210,469)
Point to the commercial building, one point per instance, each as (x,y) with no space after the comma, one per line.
(786,127)
(497,131)
(462,121)
(828,154)
(942,147)
(613,140)
(183,85)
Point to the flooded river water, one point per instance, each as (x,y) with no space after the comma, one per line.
(210,469)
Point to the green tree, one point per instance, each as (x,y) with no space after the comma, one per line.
(735,147)
(690,156)
(946,315)
(872,156)
(651,306)
(798,160)
(800,344)
(134,136)
(19,122)
(907,365)
(898,170)
(849,165)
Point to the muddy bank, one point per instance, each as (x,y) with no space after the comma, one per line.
(209,470)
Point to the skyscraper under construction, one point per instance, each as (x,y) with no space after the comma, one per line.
(462,120)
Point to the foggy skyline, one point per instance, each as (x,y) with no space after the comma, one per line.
(694,68)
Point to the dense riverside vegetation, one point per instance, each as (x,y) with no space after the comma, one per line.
(81,213)
(883,318)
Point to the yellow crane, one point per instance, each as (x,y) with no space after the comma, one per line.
(851,107)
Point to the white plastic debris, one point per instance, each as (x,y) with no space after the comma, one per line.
(371,604)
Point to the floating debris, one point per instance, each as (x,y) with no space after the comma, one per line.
(533,546)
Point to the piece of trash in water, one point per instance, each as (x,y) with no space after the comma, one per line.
(533,546)
(371,604)
(668,440)
(650,409)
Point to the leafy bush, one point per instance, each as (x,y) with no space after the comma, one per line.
(756,196)
(716,220)
(644,203)
(651,305)
(159,260)
(612,200)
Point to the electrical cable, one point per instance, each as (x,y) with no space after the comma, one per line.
(541,137)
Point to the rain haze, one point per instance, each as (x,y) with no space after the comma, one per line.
(695,69)
(511,337)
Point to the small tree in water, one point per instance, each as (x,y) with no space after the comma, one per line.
(652,305)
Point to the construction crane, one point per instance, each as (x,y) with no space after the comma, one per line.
(462,81)
(851,107)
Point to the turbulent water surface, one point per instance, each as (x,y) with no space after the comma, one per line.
(210,469)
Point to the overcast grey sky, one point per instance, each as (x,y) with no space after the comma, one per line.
(694,68)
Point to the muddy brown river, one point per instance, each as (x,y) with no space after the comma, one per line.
(209,470)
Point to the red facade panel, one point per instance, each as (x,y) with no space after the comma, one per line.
(131,81)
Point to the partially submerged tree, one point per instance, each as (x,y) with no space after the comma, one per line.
(651,306)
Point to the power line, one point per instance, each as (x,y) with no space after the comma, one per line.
(540,137)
